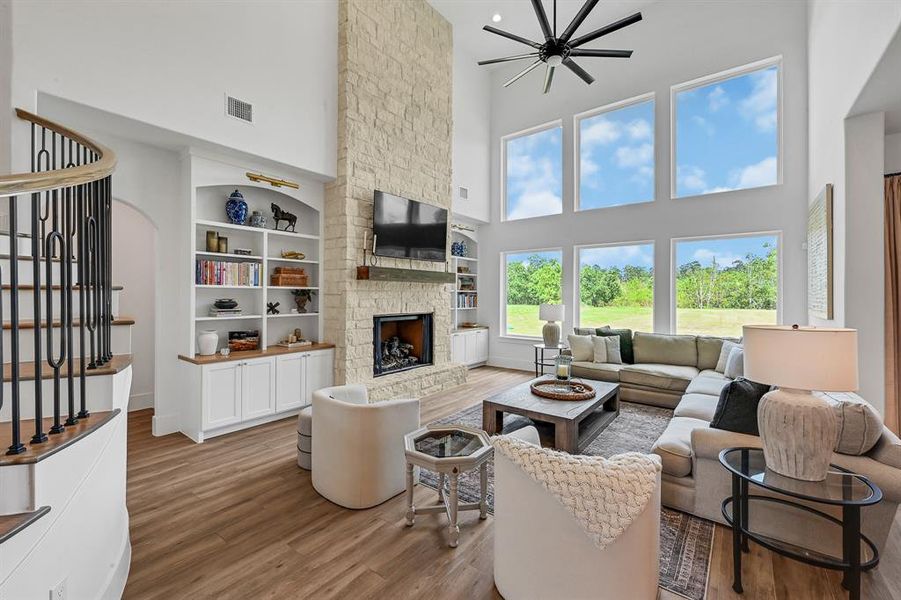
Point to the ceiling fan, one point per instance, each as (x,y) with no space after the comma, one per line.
(560,50)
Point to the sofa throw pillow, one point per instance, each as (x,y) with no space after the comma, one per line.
(583,330)
(581,347)
(724,356)
(735,364)
(858,425)
(599,344)
(625,342)
(614,355)
(737,409)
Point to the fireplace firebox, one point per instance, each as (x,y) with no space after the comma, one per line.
(401,342)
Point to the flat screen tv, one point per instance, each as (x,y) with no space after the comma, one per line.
(408,229)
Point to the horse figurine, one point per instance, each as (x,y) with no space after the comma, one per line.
(280,215)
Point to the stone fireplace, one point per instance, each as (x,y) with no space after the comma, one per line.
(394,134)
(401,343)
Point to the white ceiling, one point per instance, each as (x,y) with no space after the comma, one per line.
(883,90)
(468,17)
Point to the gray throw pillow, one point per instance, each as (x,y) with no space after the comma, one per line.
(858,425)
(737,408)
(614,356)
(724,356)
(582,348)
(600,349)
(735,365)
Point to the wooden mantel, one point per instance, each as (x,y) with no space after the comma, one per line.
(414,275)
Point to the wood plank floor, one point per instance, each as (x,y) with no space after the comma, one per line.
(235,517)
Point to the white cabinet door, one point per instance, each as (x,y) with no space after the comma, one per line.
(481,345)
(470,348)
(221,394)
(258,388)
(319,372)
(458,348)
(290,382)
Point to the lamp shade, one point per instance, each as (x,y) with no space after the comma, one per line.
(551,312)
(802,358)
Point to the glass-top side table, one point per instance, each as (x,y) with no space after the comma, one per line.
(840,488)
(448,450)
(542,361)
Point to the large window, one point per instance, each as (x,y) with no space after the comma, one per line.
(724,283)
(533,173)
(616,286)
(615,164)
(727,131)
(532,278)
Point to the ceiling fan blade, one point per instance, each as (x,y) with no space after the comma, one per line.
(511,36)
(577,20)
(582,73)
(630,20)
(542,19)
(507,59)
(523,72)
(602,53)
(548,78)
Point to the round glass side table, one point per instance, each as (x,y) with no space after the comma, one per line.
(542,361)
(841,488)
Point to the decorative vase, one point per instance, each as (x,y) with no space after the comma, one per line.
(551,334)
(207,342)
(223,245)
(456,249)
(257,219)
(236,208)
(797,431)
(226,303)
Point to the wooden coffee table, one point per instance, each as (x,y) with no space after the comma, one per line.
(576,424)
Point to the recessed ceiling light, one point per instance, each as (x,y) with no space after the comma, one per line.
(496,17)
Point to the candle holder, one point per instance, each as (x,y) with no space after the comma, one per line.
(563,371)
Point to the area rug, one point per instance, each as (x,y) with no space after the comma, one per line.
(685,540)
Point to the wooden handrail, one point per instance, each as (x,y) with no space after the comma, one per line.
(21,183)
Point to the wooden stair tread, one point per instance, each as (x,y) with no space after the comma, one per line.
(28,324)
(38,452)
(10,525)
(29,286)
(118,363)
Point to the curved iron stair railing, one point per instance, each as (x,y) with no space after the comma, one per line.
(65,205)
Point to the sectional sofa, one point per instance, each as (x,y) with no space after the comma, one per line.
(678,372)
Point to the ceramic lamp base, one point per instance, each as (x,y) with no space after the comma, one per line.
(551,334)
(797,430)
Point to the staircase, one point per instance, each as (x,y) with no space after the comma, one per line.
(66,357)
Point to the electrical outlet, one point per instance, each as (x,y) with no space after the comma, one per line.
(59,591)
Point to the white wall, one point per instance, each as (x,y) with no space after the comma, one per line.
(134,268)
(6,57)
(170,64)
(472,135)
(676,42)
(864,252)
(845,42)
(893,153)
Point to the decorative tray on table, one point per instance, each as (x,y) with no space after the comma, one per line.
(562,390)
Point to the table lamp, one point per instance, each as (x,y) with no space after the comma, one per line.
(797,428)
(552,313)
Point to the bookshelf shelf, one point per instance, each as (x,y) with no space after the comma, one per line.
(283,315)
(235,318)
(228,256)
(202,286)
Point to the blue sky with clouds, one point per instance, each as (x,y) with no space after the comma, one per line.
(726,250)
(534,174)
(523,257)
(638,255)
(616,150)
(727,134)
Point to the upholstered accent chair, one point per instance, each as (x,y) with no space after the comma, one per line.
(358,446)
(541,551)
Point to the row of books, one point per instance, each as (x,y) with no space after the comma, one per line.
(218,272)
(467,300)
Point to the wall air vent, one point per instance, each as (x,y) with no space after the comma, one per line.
(239,109)
(464,193)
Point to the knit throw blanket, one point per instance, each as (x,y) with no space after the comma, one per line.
(605,495)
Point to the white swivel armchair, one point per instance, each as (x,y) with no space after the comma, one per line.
(358,447)
(541,551)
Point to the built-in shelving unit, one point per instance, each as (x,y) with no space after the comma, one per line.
(465,297)
(265,245)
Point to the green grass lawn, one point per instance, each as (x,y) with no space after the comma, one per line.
(523,319)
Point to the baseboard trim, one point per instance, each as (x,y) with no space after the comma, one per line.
(140,401)
(115,586)
(164,424)
(512,363)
